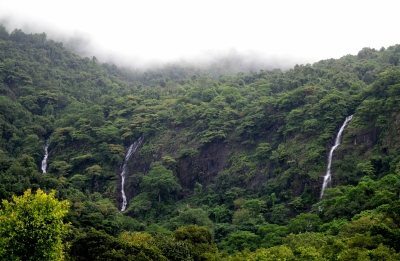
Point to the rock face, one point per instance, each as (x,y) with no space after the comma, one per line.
(204,167)
(367,138)
(338,140)
(202,163)
(357,144)
(128,154)
(200,166)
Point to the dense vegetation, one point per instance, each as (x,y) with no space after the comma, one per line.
(231,164)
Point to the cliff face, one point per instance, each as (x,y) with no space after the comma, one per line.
(233,164)
(191,166)
(368,150)
(204,167)
(391,141)
(205,163)
(279,144)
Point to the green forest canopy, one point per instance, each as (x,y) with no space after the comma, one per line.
(231,165)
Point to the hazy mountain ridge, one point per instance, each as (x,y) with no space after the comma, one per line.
(225,150)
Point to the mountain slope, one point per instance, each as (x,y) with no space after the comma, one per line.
(232,152)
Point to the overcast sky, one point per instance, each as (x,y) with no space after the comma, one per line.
(169,30)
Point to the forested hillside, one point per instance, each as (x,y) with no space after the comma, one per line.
(231,164)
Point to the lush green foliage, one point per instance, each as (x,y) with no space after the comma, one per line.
(32,228)
(241,154)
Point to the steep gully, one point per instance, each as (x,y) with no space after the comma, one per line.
(45,157)
(129,152)
(327,177)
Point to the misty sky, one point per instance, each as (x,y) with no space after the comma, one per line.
(169,30)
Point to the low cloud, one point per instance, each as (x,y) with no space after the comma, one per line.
(245,37)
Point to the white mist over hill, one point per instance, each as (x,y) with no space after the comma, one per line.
(266,33)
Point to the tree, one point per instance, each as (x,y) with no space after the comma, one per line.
(304,223)
(97,245)
(160,183)
(172,249)
(31,227)
(193,216)
(263,151)
(199,239)
(273,253)
(272,234)
(3,32)
(241,240)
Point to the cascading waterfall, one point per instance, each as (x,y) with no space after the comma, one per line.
(327,177)
(129,152)
(46,155)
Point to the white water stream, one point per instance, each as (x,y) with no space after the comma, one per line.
(327,177)
(46,155)
(129,152)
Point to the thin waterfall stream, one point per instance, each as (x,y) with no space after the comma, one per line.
(129,152)
(327,177)
(45,157)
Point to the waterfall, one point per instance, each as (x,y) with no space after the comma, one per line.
(46,155)
(129,152)
(327,177)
